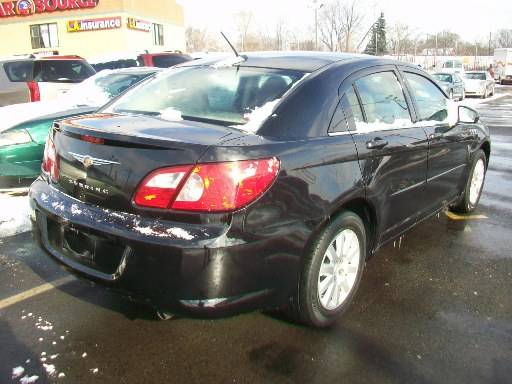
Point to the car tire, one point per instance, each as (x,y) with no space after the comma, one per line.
(463,96)
(450,95)
(322,296)
(474,185)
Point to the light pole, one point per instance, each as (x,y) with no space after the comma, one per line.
(316,6)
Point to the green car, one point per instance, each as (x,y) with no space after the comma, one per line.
(22,146)
(24,127)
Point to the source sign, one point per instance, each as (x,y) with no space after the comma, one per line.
(30,7)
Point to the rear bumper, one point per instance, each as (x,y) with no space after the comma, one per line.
(195,269)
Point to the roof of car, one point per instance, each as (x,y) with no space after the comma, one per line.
(135,70)
(295,60)
(476,71)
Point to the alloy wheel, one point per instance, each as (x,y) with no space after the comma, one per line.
(477,181)
(338,270)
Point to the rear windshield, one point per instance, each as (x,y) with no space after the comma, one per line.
(475,76)
(443,77)
(226,95)
(166,61)
(62,71)
(19,70)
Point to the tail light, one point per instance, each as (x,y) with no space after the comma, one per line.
(215,187)
(33,87)
(50,164)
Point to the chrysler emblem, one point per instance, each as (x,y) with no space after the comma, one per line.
(89,161)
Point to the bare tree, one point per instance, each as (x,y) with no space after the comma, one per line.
(399,38)
(200,40)
(351,19)
(339,22)
(504,38)
(243,22)
(330,25)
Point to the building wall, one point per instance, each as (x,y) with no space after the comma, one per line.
(90,44)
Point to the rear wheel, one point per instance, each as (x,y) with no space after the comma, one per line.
(474,184)
(450,95)
(332,272)
(463,96)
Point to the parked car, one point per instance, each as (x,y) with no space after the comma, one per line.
(479,83)
(163,59)
(261,181)
(452,84)
(26,79)
(24,127)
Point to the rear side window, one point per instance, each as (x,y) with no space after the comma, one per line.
(431,103)
(62,71)
(383,102)
(19,70)
(166,61)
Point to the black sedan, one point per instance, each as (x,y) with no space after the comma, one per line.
(255,182)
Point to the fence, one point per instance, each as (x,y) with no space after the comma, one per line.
(433,62)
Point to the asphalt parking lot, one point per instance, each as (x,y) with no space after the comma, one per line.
(434,307)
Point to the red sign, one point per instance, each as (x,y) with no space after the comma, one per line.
(30,7)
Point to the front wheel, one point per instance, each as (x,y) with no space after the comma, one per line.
(332,272)
(450,95)
(474,184)
(463,96)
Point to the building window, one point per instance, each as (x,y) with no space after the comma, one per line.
(158,34)
(44,35)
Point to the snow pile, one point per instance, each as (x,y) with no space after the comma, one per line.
(17,372)
(257,117)
(14,215)
(28,379)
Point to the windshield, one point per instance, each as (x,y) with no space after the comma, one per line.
(222,95)
(102,87)
(443,77)
(475,76)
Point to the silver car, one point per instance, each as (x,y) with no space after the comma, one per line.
(451,83)
(479,83)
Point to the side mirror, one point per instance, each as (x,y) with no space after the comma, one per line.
(468,115)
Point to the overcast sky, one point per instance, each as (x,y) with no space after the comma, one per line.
(472,19)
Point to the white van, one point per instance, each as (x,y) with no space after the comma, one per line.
(503,65)
(452,66)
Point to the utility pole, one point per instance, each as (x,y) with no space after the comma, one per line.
(316,6)
(490,39)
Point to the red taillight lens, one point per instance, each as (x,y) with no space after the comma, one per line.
(159,188)
(33,87)
(216,187)
(50,164)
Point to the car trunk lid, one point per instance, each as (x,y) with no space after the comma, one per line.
(103,157)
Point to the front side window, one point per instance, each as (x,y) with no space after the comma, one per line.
(158,34)
(44,36)
(431,102)
(383,102)
(230,96)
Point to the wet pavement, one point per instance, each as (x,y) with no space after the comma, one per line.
(433,308)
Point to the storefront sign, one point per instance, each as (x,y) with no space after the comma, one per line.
(139,25)
(93,24)
(30,7)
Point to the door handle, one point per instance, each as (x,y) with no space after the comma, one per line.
(376,143)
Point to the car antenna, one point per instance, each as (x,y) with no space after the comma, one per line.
(231,45)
